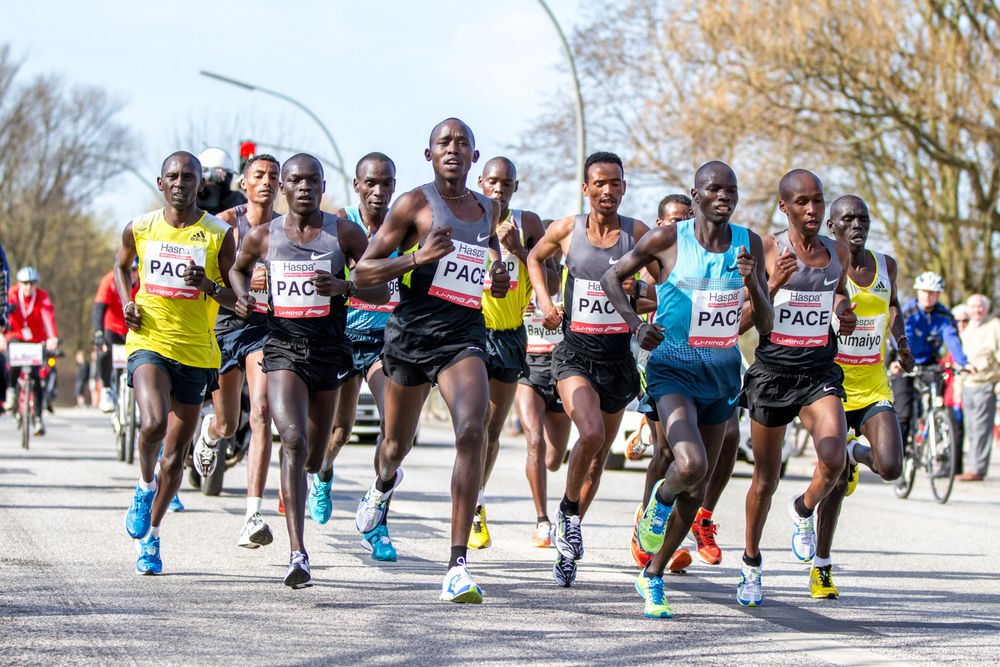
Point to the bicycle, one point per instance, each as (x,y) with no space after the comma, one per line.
(931,443)
(25,357)
(124,418)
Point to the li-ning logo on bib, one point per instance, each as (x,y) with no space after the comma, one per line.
(198,236)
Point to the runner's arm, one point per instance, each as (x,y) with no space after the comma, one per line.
(647,250)
(227,255)
(254,247)
(376,267)
(758,311)
(842,305)
(897,325)
(123,266)
(546,248)
(353,243)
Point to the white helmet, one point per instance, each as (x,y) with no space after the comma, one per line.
(28,274)
(216,158)
(928,281)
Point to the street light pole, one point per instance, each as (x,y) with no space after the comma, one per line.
(304,108)
(581,132)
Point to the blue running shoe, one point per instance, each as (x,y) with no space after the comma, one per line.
(656,605)
(377,541)
(176,505)
(653,523)
(138,516)
(320,503)
(749,590)
(149,561)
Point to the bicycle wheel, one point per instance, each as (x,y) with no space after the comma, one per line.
(131,424)
(941,454)
(119,418)
(26,408)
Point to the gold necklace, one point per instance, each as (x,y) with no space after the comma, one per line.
(454,197)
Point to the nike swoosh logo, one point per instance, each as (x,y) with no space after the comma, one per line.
(734,399)
(612,260)
(341,376)
(315,256)
(829,389)
(830,282)
(482,238)
(731,268)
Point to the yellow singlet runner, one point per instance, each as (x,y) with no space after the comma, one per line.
(508,312)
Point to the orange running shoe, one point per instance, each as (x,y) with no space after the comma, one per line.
(640,557)
(281,504)
(640,441)
(704,534)
(679,561)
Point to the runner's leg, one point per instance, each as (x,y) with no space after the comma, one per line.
(182,421)
(767,442)
(288,399)
(259,456)
(531,411)
(152,394)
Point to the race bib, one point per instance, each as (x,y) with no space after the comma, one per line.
(387,307)
(864,346)
(513,268)
(715,318)
(293,289)
(592,312)
(20,355)
(165,265)
(118,358)
(802,319)
(460,276)
(540,339)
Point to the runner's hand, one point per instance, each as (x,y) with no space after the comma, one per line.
(629,286)
(746,265)
(848,320)
(786,265)
(245,306)
(905,359)
(510,239)
(133,318)
(435,246)
(258,281)
(194,275)
(649,336)
(553,318)
(500,280)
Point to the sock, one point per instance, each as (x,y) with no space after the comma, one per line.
(822,562)
(326,475)
(851,444)
(154,531)
(569,507)
(704,516)
(384,485)
(753,562)
(147,486)
(661,497)
(209,440)
(543,519)
(481,500)
(253,505)
(800,507)
(457,556)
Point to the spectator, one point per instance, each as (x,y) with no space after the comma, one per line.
(82,387)
(981,343)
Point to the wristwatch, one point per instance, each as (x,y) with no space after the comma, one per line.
(214,289)
(352,289)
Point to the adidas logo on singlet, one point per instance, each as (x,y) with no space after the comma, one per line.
(881,287)
(198,236)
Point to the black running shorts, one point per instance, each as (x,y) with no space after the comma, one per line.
(774,396)
(616,381)
(507,362)
(322,366)
(539,378)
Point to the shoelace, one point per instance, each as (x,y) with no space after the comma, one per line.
(571,531)
(299,558)
(826,576)
(751,583)
(660,515)
(656,590)
(708,534)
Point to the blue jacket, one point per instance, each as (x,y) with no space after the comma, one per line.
(4,286)
(940,325)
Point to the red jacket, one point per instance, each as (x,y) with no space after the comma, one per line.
(32,320)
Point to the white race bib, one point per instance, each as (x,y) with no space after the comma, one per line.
(540,339)
(387,307)
(20,355)
(118,358)
(165,265)
(864,346)
(715,318)
(592,311)
(293,289)
(802,319)
(460,275)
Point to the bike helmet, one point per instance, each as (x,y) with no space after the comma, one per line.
(28,274)
(216,158)
(929,281)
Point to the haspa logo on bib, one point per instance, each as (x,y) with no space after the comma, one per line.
(802,319)
(460,276)
(293,289)
(592,311)
(715,318)
(165,265)
(864,346)
(388,307)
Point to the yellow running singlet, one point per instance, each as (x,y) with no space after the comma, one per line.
(861,354)
(508,312)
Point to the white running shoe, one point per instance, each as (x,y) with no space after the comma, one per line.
(750,592)
(206,451)
(298,574)
(371,509)
(107,402)
(458,586)
(9,398)
(256,533)
(804,534)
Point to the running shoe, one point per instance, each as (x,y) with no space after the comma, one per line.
(256,533)
(371,509)
(149,561)
(281,504)
(176,505)
(541,538)
(653,523)
(38,425)
(564,570)
(749,592)
(138,516)
(679,561)
(656,605)
(320,502)
(821,585)
(804,534)
(206,452)
(852,468)
(458,586)
(704,532)
(479,538)
(637,445)
(107,402)
(298,574)
(640,557)
(569,538)
(378,542)
(642,583)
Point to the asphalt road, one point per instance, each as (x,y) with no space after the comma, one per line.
(919,581)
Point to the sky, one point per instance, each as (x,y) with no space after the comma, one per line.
(379,76)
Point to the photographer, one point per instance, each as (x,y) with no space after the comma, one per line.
(217,171)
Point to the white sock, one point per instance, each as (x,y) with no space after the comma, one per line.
(253,505)
(482,498)
(147,486)
(822,562)
(154,531)
(206,436)
(850,450)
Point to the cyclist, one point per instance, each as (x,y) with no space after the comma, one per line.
(109,329)
(32,320)
(4,282)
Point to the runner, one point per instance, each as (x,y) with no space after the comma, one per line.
(506,336)
(184,254)
(306,355)
(375,183)
(871,283)
(241,342)
(593,366)
(794,373)
(708,268)
(437,333)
